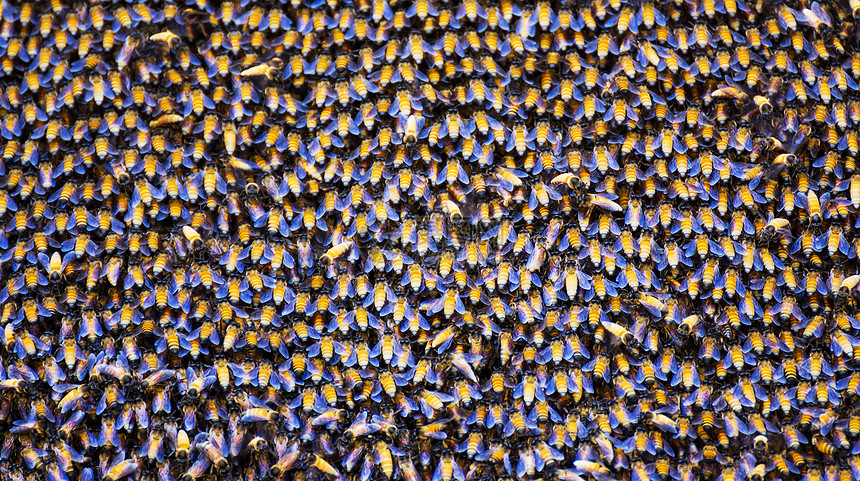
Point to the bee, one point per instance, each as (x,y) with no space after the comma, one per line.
(121,468)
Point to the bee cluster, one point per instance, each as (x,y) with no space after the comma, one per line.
(326,239)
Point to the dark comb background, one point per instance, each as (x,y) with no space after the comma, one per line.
(425,240)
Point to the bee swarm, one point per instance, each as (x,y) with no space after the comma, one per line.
(429,241)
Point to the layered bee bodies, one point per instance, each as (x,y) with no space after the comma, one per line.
(429,240)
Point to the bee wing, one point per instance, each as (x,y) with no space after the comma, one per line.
(460,363)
